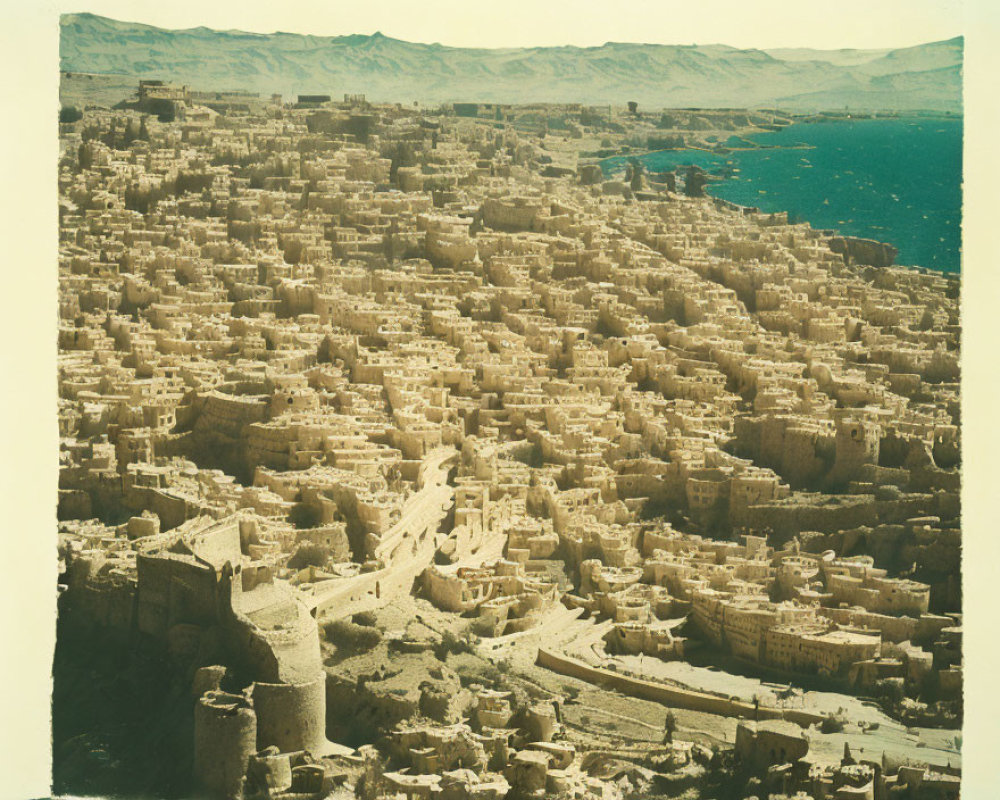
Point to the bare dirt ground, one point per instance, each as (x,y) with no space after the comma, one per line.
(81,89)
(597,718)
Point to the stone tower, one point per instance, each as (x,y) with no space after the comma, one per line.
(857,446)
(225,737)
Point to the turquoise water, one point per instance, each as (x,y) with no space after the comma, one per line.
(894,180)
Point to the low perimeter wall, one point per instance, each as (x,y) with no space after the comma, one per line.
(673,696)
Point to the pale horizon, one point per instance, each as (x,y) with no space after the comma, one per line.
(526,24)
(504,46)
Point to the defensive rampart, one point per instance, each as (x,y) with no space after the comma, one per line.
(673,696)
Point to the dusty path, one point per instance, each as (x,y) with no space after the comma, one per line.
(406,549)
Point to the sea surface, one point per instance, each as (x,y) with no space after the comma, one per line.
(893,180)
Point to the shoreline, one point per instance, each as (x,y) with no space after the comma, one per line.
(719,174)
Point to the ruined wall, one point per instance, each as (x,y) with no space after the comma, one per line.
(823,513)
(289,653)
(173,590)
(669,695)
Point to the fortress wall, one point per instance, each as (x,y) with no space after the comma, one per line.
(173,590)
(291,716)
(296,652)
(289,655)
(509,216)
(766,443)
(831,513)
(228,415)
(74,504)
(249,648)
(799,462)
(225,737)
(669,695)
(220,544)
(108,606)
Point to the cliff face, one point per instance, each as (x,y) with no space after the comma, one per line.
(864,251)
(383,68)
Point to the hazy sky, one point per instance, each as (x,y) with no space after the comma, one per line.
(520,23)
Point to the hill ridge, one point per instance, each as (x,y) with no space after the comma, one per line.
(389,69)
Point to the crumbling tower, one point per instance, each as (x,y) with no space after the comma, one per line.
(857,446)
(225,737)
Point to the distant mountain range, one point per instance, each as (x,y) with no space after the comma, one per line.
(924,77)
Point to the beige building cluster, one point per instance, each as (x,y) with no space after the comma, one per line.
(314,358)
(781,751)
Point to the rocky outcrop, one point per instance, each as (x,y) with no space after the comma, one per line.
(864,251)
(590,174)
(695,181)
